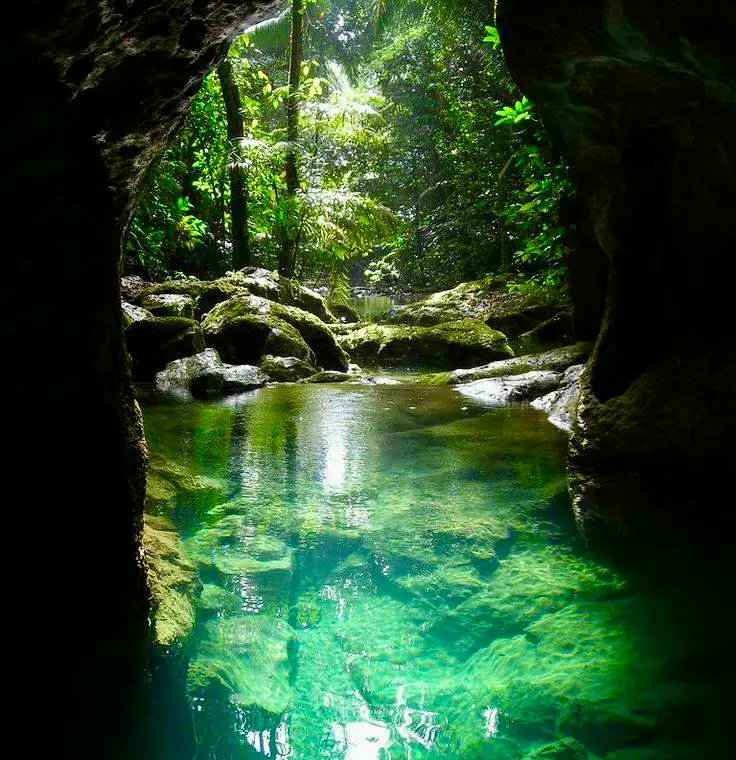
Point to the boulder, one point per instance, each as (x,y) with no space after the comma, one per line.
(498,391)
(228,379)
(133,313)
(285,369)
(561,405)
(153,343)
(205,295)
(555,360)
(225,318)
(488,300)
(452,344)
(274,287)
(204,374)
(169,305)
(131,286)
(245,339)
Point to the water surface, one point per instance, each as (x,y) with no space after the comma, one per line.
(391,572)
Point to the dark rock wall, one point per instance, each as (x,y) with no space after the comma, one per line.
(91,92)
(641,97)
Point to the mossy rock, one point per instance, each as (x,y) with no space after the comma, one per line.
(285,369)
(153,343)
(274,287)
(315,333)
(169,305)
(172,579)
(245,339)
(133,313)
(488,300)
(329,376)
(204,294)
(453,344)
(555,360)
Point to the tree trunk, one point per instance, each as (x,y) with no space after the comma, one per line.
(289,243)
(238,184)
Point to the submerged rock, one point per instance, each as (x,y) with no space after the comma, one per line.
(285,369)
(204,375)
(168,305)
(497,391)
(153,343)
(329,376)
(167,480)
(172,579)
(229,317)
(452,344)
(564,749)
(561,405)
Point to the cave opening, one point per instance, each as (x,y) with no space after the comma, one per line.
(96,93)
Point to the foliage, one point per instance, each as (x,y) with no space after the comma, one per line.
(418,160)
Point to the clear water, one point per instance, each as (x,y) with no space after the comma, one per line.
(390,572)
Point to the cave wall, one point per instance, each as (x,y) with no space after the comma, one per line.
(92,89)
(640,95)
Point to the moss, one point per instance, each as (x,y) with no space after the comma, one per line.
(435,378)
(343,311)
(452,344)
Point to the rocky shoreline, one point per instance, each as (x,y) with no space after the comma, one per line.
(252,327)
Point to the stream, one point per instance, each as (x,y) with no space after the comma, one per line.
(393,572)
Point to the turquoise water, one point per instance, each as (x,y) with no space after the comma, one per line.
(391,573)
